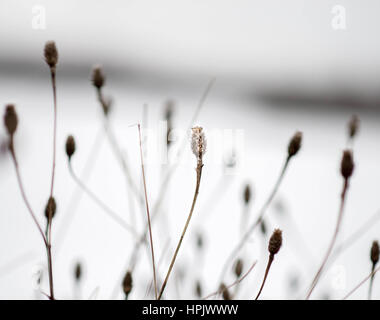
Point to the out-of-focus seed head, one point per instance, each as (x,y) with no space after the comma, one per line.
(127,283)
(275,242)
(51,54)
(50,208)
(247,194)
(375,252)
(200,241)
(198,142)
(169,109)
(98,78)
(263,227)
(224,291)
(10,119)
(238,268)
(70,146)
(78,271)
(347,164)
(353,126)
(295,144)
(198,289)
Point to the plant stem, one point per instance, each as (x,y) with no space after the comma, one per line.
(371,282)
(333,240)
(47,245)
(52,71)
(100,203)
(271,258)
(257,222)
(148,215)
(199,174)
(361,283)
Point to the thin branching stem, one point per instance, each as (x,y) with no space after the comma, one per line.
(100,203)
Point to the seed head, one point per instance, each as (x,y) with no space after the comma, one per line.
(225,293)
(353,126)
(127,283)
(50,208)
(263,227)
(295,144)
(375,252)
(70,146)
(169,108)
(198,289)
(51,54)
(10,119)
(98,78)
(238,268)
(198,142)
(275,242)
(78,271)
(347,164)
(247,194)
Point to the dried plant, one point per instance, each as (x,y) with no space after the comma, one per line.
(346,169)
(275,243)
(198,146)
(374,259)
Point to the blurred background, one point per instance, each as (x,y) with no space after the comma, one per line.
(278,68)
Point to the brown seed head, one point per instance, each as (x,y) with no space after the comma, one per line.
(238,268)
(127,283)
(247,194)
(10,119)
(275,242)
(263,227)
(224,291)
(198,142)
(353,126)
(295,144)
(198,289)
(375,252)
(70,146)
(51,54)
(98,77)
(78,271)
(50,208)
(347,164)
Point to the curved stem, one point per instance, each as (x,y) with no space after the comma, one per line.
(337,227)
(199,174)
(371,282)
(100,203)
(271,258)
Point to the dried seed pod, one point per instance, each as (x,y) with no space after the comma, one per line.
(127,284)
(10,119)
(198,289)
(295,144)
(78,272)
(70,146)
(275,242)
(238,268)
(347,164)
(50,208)
(198,142)
(224,291)
(51,54)
(263,227)
(247,194)
(375,252)
(353,126)
(98,78)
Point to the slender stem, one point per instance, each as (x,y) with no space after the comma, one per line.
(371,282)
(235,283)
(333,240)
(271,258)
(52,71)
(361,283)
(148,215)
(257,222)
(100,203)
(199,174)
(46,242)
